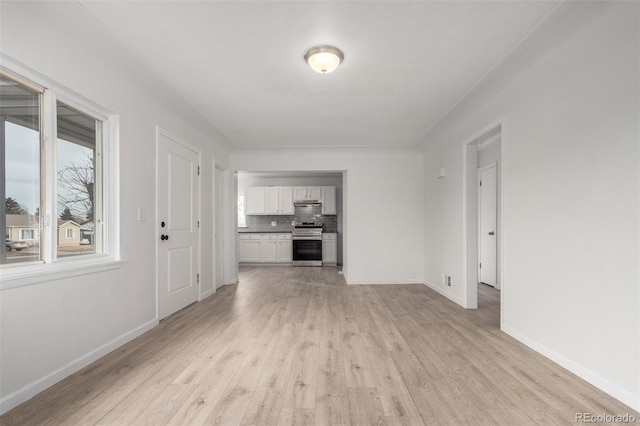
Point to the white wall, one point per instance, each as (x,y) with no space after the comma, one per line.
(50,329)
(569,96)
(383,203)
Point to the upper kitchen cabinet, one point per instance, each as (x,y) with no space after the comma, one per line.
(279,200)
(301,193)
(286,200)
(328,200)
(314,192)
(255,200)
(276,200)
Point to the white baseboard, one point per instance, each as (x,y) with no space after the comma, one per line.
(32,389)
(596,380)
(349,282)
(207,294)
(234,280)
(442,291)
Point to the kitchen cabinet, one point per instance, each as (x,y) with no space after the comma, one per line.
(255,200)
(329,249)
(269,200)
(272,200)
(279,200)
(328,200)
(286,200)
(269,248)
(314,192)
(265,248)
(284,252)
(301,193)
(250,248)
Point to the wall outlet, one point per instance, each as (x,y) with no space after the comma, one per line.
(446,280)
(273,223)
(293,223)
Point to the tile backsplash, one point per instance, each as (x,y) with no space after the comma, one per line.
(262,223)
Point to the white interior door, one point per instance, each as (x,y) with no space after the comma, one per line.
(219,232)
(487,224)
(178,234)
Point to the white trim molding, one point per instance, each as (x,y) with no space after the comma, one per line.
(206,294)
(595,379)
(445,293)
(32,389)
(45,273)
(411,281)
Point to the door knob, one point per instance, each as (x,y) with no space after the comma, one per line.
(492,233)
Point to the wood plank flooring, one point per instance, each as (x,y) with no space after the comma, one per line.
(296,346)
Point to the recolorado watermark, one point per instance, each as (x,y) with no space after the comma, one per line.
(604,418)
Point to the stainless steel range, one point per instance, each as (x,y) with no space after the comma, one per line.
(307,244)
(307,235)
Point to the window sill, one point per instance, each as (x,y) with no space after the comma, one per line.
(41,273)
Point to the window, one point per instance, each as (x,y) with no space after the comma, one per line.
(78,195)
(242,219)
(53,175)
(20,141)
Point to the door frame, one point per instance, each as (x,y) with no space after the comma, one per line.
(493,165)
(218,210)
(161,132)
(470,243)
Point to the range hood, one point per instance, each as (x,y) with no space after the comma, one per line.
(306,203)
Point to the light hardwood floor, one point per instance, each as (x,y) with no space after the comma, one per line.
(297,346)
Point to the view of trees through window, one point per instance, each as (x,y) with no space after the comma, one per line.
(76,149)
(77,133)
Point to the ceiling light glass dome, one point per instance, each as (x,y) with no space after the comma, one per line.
(324,59)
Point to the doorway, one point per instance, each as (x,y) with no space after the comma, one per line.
(487,225)
(483,164)
(251,200)
(177,231)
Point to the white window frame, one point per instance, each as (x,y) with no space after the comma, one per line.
(50,268)
(242,217)
(67,233)
(99,221)
(31,231)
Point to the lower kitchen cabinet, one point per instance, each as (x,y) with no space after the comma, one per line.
(250,248)
(329,249)
(285,249)
(270,248)
(265,248)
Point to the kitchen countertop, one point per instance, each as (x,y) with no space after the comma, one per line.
(241,231)
(247,231)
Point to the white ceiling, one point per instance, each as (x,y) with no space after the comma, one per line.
(241,63)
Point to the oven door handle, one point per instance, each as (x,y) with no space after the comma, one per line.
(306,238)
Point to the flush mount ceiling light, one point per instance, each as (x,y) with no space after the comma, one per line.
(324,59)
